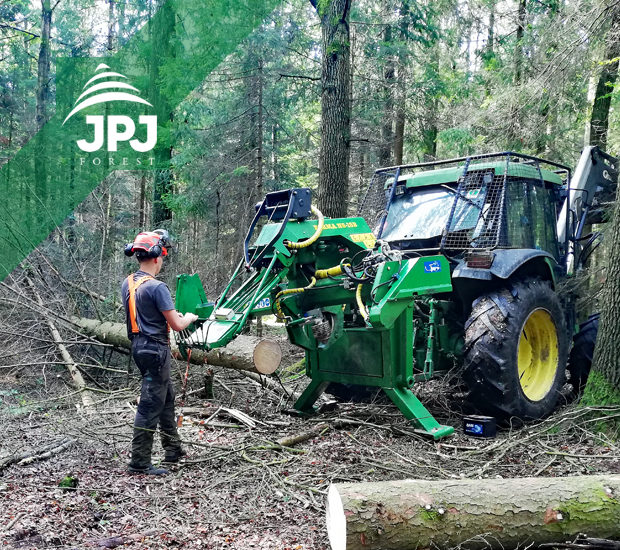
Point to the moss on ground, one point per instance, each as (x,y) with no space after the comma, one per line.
(599,391)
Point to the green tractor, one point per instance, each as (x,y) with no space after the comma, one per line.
(449,264)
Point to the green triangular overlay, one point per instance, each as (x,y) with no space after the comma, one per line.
(167,59)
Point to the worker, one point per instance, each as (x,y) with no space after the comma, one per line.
(150,314)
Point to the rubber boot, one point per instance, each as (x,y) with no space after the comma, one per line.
(173,456)
(150,470)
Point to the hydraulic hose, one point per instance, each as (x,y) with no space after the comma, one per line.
(331,272)
(317,233)
(360,303)
(289,291)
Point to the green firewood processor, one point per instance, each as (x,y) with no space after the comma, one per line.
(455,264)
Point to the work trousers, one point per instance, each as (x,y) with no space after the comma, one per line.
(156,401)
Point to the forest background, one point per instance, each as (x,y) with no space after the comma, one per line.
(320,95)
(422,80)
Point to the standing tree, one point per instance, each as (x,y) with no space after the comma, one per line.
(163,36)
(599,121)
(43,95)
(603,386)
(335,106)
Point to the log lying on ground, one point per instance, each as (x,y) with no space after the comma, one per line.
(473,513)
(246,353)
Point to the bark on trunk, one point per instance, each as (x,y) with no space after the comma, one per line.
(238,355)
(335,107)
(42,97)
(513,138)
(496,513)
(163,37)
(387,127)
(603,386)
(599,120)
(401,87)
(43,64)
(521,19)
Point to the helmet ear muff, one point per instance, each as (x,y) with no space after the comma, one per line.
(145,239)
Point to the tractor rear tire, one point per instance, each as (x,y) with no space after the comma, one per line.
(580,358)
(509,372)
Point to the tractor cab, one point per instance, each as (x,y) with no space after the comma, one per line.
(503,201)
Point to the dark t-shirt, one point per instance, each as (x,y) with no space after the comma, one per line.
(152,297)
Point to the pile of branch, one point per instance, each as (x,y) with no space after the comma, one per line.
(38,454)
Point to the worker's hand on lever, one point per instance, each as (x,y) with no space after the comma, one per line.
(178,321)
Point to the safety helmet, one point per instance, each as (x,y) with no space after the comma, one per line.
(149,244)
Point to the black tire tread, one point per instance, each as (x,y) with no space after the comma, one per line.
(491,340)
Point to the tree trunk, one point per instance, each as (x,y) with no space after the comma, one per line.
(603,386)
(387,126)
(110,25)
(142,200)
(599,120)
(42,98)
(487,513)
(513,137)
(259,131)
(43,64)
(335,107)
(246,353)
(163,36)
(401,87)
(521,18)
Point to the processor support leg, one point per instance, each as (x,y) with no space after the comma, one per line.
(310,395)
(413,410)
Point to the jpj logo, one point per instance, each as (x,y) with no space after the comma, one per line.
(119,127)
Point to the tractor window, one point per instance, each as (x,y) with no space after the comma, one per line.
(530,216)
(423,213)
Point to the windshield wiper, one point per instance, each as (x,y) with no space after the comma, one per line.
(466,199)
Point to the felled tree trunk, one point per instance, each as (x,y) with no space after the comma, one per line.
(246,353)
(473,513)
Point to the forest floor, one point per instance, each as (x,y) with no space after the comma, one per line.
(237,489)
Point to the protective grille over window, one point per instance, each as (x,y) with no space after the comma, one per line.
(478,219)
(374,204)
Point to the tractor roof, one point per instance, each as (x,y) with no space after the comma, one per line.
(452,174)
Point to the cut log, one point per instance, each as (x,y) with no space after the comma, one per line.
(267,356)
(238,355)
(471,513)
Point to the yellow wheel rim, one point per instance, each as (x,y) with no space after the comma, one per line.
(537,355)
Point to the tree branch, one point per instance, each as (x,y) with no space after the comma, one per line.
(4,26)
(282,75)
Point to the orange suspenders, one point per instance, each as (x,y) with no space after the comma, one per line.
(133,317)
(133,286)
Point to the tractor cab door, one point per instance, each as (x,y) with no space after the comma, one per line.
(531,214)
